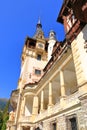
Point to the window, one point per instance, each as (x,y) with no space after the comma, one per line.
(38,57)
(32,44)
(37,72)
(72,124)
(37,128)
(54,126)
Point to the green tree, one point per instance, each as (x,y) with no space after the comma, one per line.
(5,116)
(1,119)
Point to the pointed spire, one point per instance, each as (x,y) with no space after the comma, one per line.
(39,21)
(39,32)
(39,25)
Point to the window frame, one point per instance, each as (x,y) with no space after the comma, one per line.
(37,72)
(39,57)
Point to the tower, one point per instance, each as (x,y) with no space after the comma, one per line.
(34,57)
(51,41)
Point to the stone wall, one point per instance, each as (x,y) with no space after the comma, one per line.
(83,113)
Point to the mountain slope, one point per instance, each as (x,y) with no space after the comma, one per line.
(3,102)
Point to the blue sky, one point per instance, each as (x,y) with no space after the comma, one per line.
(18,19)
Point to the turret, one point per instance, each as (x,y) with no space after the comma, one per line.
(51,41)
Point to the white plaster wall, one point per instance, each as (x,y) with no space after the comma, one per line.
(27,112)
(28,106)
(29,67)
(50,47)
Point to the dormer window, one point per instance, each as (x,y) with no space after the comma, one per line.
(39,57)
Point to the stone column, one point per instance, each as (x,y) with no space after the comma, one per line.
(35,105)
(83,112)
(50,94)
(61,123)
(23,108)
(20,128)
(31,128)
(13,127)
(42,101)
(62,83)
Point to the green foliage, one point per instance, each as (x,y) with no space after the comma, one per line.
(5,116)
(3,126)
(1,119)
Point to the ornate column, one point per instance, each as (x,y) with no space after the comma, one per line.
(50,94)
(42,101)
(62,83)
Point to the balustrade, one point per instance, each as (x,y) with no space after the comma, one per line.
(71,99)
(25,118)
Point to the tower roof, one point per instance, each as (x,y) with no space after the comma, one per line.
(39,31)
(39,21)
(39,25)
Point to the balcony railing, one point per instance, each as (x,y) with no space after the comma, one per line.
(53,110)
(25,118)
(69,101)
(73,99)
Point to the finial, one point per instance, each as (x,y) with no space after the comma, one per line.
(39,21)
(39,25)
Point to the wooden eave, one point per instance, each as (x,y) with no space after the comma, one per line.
(62,11)
(55,56)
(80,10)
(74,31)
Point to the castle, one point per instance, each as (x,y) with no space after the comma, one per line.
(52,88)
